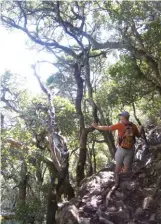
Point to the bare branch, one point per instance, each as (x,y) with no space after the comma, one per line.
(7,102)
(37,40)
(52,122)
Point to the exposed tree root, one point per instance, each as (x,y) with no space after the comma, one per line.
(108,197)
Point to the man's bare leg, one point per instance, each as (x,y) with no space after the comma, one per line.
(118,168)
(128,161)
(126,169)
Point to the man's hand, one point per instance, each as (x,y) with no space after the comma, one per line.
(94,125)
(98,127)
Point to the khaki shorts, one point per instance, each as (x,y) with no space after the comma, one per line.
(124,156)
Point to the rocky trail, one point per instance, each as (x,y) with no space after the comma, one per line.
(136,199)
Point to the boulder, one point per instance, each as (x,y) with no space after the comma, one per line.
(153,218)
(104,218)
(85,221)
(128,185)
(119,195)
(121,216)
(69,214)
(147,202)
(139,212)
(142,175)
(148,191)
(120,204)
(112,209)
(158,165)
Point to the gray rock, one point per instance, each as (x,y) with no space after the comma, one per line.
(85,221)
(120,204)
(112,209)
(152,217)
(86,199)
(158,165)
(120,215)
(89,209)
(128,185)
(147,202)
(119,195)
(142,175)
(68,215)
(106,178)
(104,221)
(75,201)
(116,217)
(96,191)
(94,201)
(148,191)
(139,212)
(104,218)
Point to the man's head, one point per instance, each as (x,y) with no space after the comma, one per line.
(124,116)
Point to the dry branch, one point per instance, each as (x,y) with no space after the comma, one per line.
(51,123)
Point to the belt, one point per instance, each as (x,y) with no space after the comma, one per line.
(124,148)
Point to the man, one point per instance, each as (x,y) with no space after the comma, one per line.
(127,132)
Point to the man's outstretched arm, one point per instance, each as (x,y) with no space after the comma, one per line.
(101,128)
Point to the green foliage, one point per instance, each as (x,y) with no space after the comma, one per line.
(55,79)
(27,212)
(65,115)
(102,156)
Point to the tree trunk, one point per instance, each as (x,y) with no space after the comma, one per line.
(82,156)
(90,164)
(52,204)
(64,186)
(23,183)
(83,130)
(66,189)
(108,136)
(137,119)
(109,140)
(2,121)
(94,157)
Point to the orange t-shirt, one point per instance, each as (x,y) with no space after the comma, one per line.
(121,127)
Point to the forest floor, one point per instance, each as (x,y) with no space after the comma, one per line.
(136,200)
